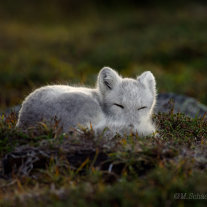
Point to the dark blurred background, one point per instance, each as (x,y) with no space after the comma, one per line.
(58,41)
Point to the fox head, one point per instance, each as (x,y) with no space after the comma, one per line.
(127,102)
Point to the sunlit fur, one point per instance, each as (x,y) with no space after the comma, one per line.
(123,105)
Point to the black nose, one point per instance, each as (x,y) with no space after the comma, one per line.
(131,125)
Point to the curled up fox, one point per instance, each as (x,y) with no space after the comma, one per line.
(120,104)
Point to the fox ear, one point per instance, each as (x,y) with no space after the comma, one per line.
(107,79)
(148,80)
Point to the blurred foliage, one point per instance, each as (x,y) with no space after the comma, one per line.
(59,41)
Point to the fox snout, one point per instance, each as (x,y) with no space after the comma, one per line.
(131,125)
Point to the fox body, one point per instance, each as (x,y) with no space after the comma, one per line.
(120,104)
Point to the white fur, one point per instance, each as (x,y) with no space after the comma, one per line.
(123,105)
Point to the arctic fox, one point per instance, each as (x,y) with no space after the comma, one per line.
(120,104)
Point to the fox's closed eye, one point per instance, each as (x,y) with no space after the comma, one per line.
(120,106)
(143,107)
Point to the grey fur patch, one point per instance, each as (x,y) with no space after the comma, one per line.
(100,107)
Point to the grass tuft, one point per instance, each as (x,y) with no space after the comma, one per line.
(78,169)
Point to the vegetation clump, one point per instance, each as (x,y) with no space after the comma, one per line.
(44,167)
